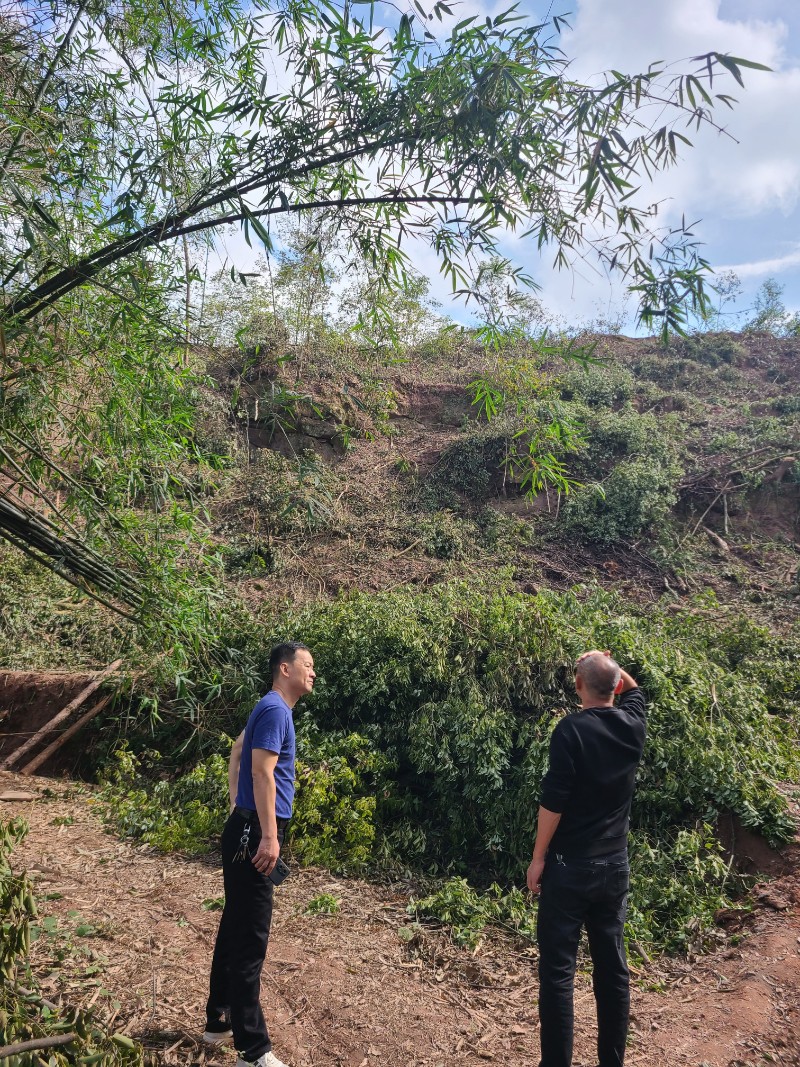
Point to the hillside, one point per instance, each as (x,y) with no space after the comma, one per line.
(355,477)
(404,482)
(418,540)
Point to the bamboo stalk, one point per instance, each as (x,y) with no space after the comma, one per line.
(37,1042)
(54,746)
(34,533)
(73,705)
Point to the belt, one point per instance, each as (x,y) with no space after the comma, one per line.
(597,850)
(252,816)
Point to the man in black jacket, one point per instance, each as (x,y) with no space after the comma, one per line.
(580,859)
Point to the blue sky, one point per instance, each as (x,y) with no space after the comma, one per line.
(744,190)
(746,194)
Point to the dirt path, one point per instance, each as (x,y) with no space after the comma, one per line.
(126,930)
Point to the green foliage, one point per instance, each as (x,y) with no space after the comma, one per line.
(443,535)
(185,814)
(276,497)
(465,469)
(425,741)
(323,904)
(17,905)
(338,779)
(24,1014)
(47,624)
(625,434)
(334,817)
(468,911)
(787,405)
(631,471)
(603,385)
(677,884)
(540,432)
(507,315)
(527,142)
(712,349)
(637,495)
(469,738)
(389,323)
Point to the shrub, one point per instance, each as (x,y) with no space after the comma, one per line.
(602,386)
(186,813)
(334,817)
(338,779)
(442,535)
(637,495)
(677,885)
(274,496)
(47,624)
(467,912)
(713,349)
(787,405)
(426,739)
(465,469)
(459,688)
(627,434)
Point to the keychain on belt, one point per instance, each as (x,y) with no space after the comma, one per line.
(243,851)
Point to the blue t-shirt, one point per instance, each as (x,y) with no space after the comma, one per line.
(270,727)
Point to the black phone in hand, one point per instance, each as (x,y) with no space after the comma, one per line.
(279,872)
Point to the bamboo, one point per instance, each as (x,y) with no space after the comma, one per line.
(37,1042)
(54,746)
(66,555)
(14,756)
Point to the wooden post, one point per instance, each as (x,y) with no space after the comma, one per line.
(62,739)
(62,715)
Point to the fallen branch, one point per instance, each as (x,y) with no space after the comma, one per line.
(62,739)
(715,539)
(62,715)
(726,488)
(39,1042)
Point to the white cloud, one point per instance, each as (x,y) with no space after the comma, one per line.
(765,267)
(757,171)
(744,188)
(746,191)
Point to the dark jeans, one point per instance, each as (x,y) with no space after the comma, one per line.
(241,945)
(575,893)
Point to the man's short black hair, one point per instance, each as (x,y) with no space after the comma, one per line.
(284,653)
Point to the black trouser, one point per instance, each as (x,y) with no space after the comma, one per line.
(241,944)
(575,893)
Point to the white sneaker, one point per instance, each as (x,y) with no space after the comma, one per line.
(218,1037)
(269,1059)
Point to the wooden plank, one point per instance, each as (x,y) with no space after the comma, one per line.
(62,715)
(62,739)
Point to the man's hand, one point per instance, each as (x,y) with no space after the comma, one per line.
(535,875)
(592,652)
(266,855)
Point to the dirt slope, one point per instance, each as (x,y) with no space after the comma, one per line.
(125,930)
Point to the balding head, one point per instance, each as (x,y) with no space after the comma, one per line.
(598,674)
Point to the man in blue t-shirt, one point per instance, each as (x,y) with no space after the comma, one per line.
(261,785)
